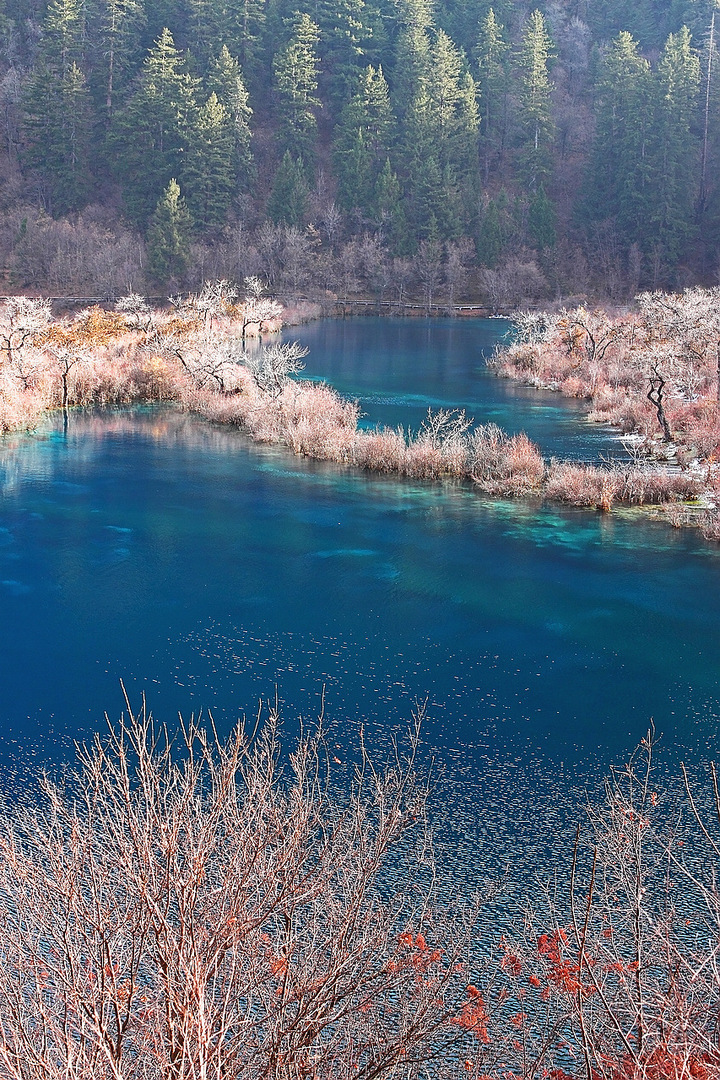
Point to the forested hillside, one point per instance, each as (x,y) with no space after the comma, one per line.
(380,147)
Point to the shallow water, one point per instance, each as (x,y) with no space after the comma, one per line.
(151,547)
(398,368)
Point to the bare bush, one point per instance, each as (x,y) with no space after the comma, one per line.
(273,365)
(503,464)
(381,450)
(628,967)
(23,320)
(654,372)
(217,909)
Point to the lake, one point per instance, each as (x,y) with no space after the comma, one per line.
(149,546)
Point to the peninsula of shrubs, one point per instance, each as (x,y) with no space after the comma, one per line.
(651,372)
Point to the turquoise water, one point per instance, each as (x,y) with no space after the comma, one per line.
(151,547)
(398,368)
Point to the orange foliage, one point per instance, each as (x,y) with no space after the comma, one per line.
(473,1016)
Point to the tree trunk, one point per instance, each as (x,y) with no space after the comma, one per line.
(655,397)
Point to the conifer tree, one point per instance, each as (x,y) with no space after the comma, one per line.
(412,54)
(674,158)
(63,33)
(226,81)
(209,172)
(249,17)
(57,111)
(209,22)
(441,131)
(117,26)
(493,84)
(152,131)
(618,185)
(168,237)
(389,211)
(490,239)
(541,220)
(362,140)
(288,198)
(534,112)
(295,68)
(348,33)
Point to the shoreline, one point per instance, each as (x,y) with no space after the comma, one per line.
(198,363)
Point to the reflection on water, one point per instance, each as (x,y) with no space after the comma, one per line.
(398,368)
(149,546)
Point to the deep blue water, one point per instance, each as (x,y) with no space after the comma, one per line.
(151,547)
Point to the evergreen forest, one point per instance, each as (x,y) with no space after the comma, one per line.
(387,148)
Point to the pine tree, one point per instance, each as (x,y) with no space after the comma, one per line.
(63,34)
(58,129)
(434,198)
(168,237)
(295,68)
(356,174)
(209,22)
(389,212)
(57,111)
(117,27)
(497,228)
(673,150)
(152,131)
(289,195)
(534,112)
(441,131)
(493,84)
(226,81)
(412,54)
(209,173)
(442,94)
(362,140)
(618,185)
(541,220)
(348,31)
(249,19)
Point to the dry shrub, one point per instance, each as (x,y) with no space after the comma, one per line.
(591,485)
(20,410)
(123,378)
(612,359)
(698,423)
(572,386)
(582,485)
(381,450)
(504,464)
(710,525)
(318,422)
(522,358)
(185,907)
(300,311)
(423,461)
(238,409)
(455,457)
(643,486)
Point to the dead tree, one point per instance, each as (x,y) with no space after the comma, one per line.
(655,397)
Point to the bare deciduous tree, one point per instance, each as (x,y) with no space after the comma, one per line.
(137,311)
(214,910)
(257,309)
(273,365)
(23,319)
